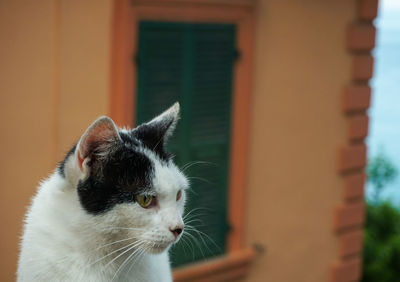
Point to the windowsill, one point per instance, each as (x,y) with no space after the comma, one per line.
(231,266)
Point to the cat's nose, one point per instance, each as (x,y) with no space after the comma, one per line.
(177,230)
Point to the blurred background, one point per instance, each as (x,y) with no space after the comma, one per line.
(276,119)
(382,232)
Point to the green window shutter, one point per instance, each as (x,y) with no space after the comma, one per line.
(193,64)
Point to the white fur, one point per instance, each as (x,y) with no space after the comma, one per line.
(62,242)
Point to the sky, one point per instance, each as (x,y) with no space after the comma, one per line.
(384,113)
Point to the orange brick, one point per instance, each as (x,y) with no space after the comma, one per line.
(346,271)
(349,215)
(362,67)
(354,186)
(361,37)
(358,127)
(350,243)
(356,98)
(367,9)
(352,157)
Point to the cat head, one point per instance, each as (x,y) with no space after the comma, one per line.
(127,182)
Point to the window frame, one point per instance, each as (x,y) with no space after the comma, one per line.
(124,47)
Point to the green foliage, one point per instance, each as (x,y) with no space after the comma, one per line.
(382,243)
(382,231)
(381,172)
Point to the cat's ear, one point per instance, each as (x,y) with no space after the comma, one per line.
(157,131)
(96,142)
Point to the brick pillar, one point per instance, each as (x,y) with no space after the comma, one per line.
(350,212)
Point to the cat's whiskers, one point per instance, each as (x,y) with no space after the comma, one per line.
(192,163)
(113,252)
(111,228)
(185,243)
(114,242)
(190,219)
(201,234)
(191,245)
(201,178)
(193,210)
(123,227)
(136,258)
(136,252)
(132,246)
(196,242)
(183,246)
(202,240)
(195,220)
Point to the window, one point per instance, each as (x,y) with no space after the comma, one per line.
(189,23)
(193,64)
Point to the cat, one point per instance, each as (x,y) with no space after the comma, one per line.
(111,209)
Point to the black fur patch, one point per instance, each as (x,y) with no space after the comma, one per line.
(152,136)
(123,174)
(61,165)
(128,139)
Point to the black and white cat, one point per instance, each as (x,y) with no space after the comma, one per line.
(111,209)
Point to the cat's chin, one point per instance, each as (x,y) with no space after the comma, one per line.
(159,248)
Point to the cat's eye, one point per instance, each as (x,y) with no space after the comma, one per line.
(145,201)
(178,195)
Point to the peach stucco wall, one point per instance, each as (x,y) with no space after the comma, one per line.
(54,80)
(301,68)
(26,111)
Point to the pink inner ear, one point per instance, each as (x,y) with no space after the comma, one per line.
(80,160)
(99,133)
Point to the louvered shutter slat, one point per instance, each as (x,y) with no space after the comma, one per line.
(193,63)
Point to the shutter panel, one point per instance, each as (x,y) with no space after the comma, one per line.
(193,63)
(160,68)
